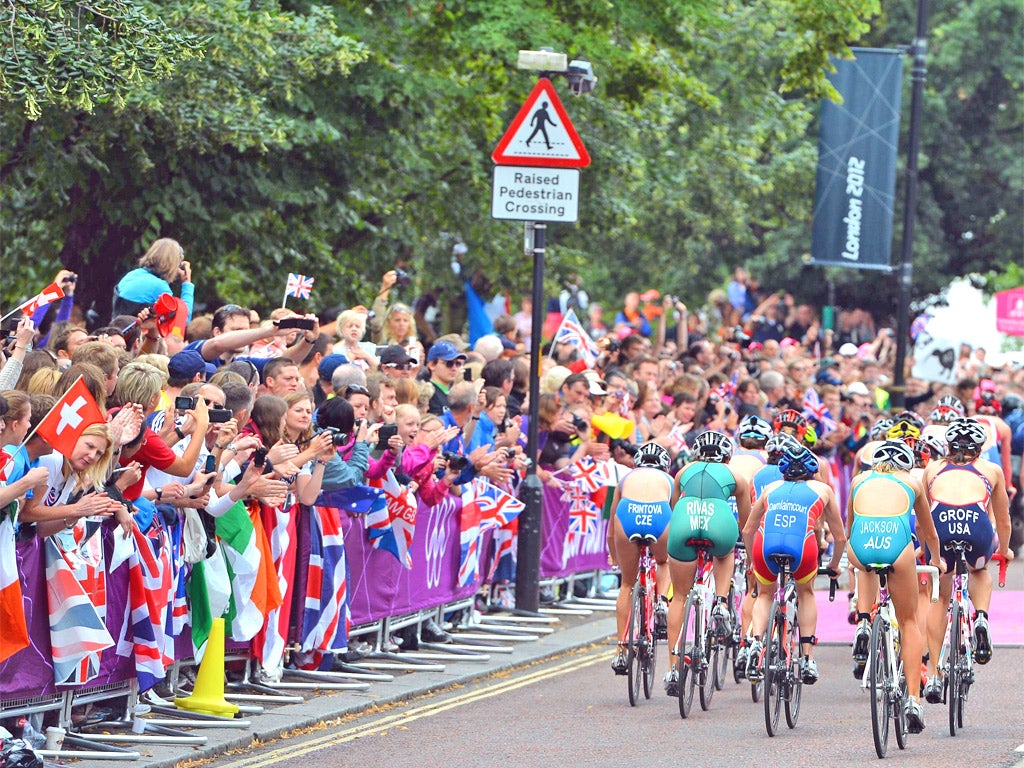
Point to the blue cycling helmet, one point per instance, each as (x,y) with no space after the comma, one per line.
(798,463)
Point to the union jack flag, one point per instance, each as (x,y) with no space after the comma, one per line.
(298,286)
(391,522)
(325,617)
(149,583)
(484,507)
(815,409)
(571,332)
(583,517)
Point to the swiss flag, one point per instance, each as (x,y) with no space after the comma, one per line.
(69,418)
(48,295)
(6,461)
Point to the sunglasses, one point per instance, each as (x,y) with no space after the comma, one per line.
(213,404)
(454,363)
(399,366)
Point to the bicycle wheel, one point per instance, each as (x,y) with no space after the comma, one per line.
(710,650)
(794,674)
(879,684)
(954,677)
(899,715)
(687,658)
(635,641)
(650,656)
(774,669)
(725,646)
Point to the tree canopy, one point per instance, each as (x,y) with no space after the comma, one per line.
(340,138)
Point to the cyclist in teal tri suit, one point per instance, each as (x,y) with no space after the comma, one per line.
(879,530)
(701,511)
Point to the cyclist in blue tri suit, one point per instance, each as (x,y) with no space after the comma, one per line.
(642,510)
(880,532)
(968,498)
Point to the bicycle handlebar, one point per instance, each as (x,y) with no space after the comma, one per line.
(833,582)
(932,571)
(1001,559)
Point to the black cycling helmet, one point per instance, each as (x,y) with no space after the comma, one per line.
(754,428)
(652,455)
(713,446)
(797,463)
(894,452)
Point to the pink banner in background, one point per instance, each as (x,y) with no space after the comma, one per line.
(1010,311)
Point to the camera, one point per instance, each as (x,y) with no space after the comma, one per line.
(72,278)
(299,323)
(580,75)
(402,278)
(338,438)
(580,424)
(259,456)
(510,453)
(219,415)
(182,403)
(739,335)
(623,445)
(455,461)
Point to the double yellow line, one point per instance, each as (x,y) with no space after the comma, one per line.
(414,713)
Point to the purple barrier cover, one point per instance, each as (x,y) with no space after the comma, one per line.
(559,556)
(29,672)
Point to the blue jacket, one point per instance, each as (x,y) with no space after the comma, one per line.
(143,286)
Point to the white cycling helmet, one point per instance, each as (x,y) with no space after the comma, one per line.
(894,452)
(965,434)
(652,455)
(754,428)
(713,446)
(951,401)
(937,445)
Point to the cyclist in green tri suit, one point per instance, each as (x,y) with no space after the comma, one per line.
(701,511)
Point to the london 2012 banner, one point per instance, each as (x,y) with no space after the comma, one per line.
(853,202)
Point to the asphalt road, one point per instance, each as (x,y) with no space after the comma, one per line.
(572,711)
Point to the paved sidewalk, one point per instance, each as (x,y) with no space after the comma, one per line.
(320,706)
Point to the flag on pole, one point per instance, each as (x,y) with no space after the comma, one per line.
(298,286)
(571,332)
(48,295)
(70,416)
(12,609)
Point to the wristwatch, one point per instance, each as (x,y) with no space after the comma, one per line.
(159,494)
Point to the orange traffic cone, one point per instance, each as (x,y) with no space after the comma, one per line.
(208,693)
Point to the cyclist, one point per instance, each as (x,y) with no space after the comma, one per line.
(880,529)
(642,508)
(749,459)
(794,423)
(784,521)
(876,435)
(968,498)
(702,512)
(770,472)
(997,432)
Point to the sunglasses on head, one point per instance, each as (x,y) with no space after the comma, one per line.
(356,389)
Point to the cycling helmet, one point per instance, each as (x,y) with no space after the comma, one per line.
(894,452)
(797,463)
(713,446)
(652,455)
(965,434)
(953,402)
(922,450)
(936,445)
(790,418)
(1011,403)
(880,427)
(777,444)
(943,414)
(902,428)
(754,428)
(987,403)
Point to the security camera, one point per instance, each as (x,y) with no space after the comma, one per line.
(580,75)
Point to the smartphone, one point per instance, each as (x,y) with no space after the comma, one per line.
(259,456)
(182,403)
(384,434)
(211,464)
(219,415)
(300,323)
(467,374)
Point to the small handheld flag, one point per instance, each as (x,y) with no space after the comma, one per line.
(298,286)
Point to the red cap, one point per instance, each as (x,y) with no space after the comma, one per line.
(171,315)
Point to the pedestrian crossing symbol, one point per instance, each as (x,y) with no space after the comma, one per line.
(542,134)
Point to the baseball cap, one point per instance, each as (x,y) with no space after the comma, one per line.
(186,364)
(444,350)
(597,387)
(396,355)
(848,350)
(827,362)
(858,388)
(328,363)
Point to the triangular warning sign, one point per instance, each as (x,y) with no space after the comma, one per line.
(542,134)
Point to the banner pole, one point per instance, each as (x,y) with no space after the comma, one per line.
(918,72)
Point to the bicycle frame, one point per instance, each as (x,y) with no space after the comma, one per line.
(956,658)
(639,634)
(697,665)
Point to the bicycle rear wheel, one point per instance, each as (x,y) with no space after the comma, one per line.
(954,678)
(688,656)
(794,674)
(899,715)
(634,639)
(710,650)
(879,684)
(650,657)
(727,648)
(774,670)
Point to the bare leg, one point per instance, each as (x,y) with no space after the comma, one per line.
(807,614)
(682,581)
